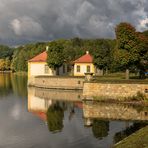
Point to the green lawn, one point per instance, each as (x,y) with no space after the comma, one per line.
(119,78)
(136,140)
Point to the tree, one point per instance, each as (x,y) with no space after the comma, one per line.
(142,65)
(2,64)
(55,57)
(145,33)
(5,51)
(102,55)
(128,49)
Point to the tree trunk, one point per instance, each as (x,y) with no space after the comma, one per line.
(127,74)
(142,74)
(106,71)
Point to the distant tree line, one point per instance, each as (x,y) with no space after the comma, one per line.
(128,52)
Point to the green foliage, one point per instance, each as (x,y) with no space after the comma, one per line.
(103,53)
(138,97)
(4,64)
(5,51)
(127,52)
(145,33)
(22,54)
(132,48)
(55,53)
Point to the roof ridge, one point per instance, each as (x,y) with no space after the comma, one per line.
(86,58)
(40,57)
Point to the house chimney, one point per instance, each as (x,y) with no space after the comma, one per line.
(47,47)
(87,52)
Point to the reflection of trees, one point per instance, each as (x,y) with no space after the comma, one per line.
(55,115)
(5,84)
(19,84)
(100,128)
(128,131)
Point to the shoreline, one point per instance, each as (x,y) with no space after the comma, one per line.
(136,103)
(136,140)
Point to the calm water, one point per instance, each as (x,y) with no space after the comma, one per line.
(38,118)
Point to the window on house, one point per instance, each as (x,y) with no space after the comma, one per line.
(78,68)
(46,69)
(88,68)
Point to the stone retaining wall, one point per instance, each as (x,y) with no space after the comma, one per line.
(58,82)
(113,91)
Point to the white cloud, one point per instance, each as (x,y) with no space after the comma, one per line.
(26,26)
(143,24)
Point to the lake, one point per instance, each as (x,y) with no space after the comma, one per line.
(42,118)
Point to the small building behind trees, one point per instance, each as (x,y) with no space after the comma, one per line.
(38,66)
(84,64)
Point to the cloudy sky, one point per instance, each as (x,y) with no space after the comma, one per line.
(24,21)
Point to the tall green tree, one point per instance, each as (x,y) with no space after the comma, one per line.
(102,55)
(55,57)
(128,49)
(5,51)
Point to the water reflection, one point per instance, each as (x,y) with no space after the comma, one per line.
(128,131)
(5,84)
(48,105)
(53,106)
(114,111)
(55,115)
(57,118)
(19,84)
(100,128)
(12,83)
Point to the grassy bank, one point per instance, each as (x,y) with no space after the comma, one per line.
(136,140)
(119,78)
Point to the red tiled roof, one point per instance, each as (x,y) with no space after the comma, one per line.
(87,58)
(40,57)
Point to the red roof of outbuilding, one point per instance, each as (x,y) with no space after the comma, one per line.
(42,57)
(87,58)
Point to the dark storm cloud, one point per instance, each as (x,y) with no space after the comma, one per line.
(36,20)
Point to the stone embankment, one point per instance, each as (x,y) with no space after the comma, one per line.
(113,91)
(53,82)
(103,91)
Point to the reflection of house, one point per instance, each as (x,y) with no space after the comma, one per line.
(37,104)
(40,100)
(38,66)
(85,65)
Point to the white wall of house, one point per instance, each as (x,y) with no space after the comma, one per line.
(39,69)
(83,68)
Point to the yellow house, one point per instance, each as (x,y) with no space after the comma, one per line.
(37,66)
(84,65)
